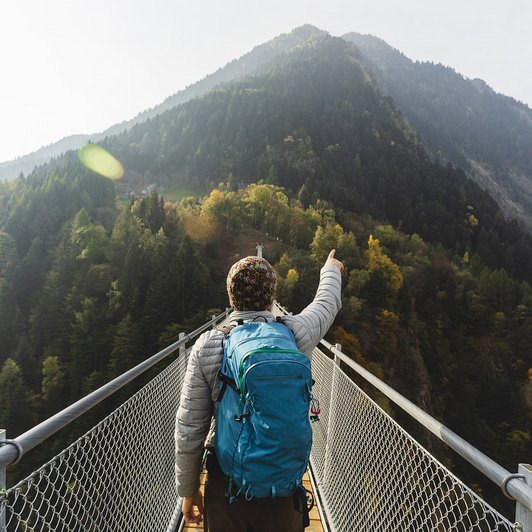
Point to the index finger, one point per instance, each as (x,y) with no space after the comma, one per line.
(331,254)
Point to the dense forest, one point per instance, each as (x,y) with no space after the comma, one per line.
(460,120)
(307,156)
(115,285)
(338,138)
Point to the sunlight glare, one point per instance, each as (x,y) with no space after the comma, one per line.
(99,160)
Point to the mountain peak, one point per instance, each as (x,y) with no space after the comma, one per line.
(307,29)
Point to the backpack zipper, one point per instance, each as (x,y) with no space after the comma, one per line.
(243,377)
(262,350)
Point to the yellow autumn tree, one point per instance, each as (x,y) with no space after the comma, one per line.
(377,260)
(292,277)
(199,229)
(221,208)
(333,236)
(286,287)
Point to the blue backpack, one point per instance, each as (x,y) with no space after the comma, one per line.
(263,435)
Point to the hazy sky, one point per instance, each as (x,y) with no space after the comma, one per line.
(73,66)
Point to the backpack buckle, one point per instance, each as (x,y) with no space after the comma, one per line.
(315,410)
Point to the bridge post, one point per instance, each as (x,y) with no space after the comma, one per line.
(2,487)
(328,464)
(336,357)
(523,515)
(182,348)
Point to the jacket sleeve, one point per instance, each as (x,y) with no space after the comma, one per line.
(192,422)
(310,326)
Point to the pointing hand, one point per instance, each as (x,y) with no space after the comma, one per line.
(333,261)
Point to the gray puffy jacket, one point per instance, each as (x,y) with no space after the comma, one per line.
(200,387)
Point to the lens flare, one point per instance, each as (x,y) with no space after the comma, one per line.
(101,161)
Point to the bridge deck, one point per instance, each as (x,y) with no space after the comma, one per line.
(315,522)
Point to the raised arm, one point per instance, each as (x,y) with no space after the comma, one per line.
(314,321)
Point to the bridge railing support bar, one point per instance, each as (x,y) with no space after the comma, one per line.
(329,459)
(513,485)
(174,522)
(182,349)
(523,515)
(2,486)
(332,403)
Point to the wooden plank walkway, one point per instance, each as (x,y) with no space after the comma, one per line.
(315,522)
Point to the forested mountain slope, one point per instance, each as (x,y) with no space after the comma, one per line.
(307,155)
(258,57)
(315,122)
(460,120)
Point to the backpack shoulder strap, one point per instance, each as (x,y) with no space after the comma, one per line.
(226,381)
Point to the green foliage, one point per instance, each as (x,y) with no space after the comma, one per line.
(325,239)
(223,209)
(436,302)
(461,120)
(8,253)
(15,398)
(91,301)
(53,385)
(126,347)
(332,236)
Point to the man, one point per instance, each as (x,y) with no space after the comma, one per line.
(251,285)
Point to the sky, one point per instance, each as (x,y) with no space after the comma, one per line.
(73,66)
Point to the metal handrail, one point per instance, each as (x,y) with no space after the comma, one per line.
(514,487)
(10,453)
(12,450)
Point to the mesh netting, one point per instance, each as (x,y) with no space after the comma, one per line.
(372,475)
(117,477)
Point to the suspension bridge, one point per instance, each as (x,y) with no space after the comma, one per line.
(367,473)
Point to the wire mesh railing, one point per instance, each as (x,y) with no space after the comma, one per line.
(372,475)
(118,476)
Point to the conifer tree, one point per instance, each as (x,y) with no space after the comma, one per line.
(53,385)
(127,347)
(17,412)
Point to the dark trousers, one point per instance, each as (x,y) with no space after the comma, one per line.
(258,515)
